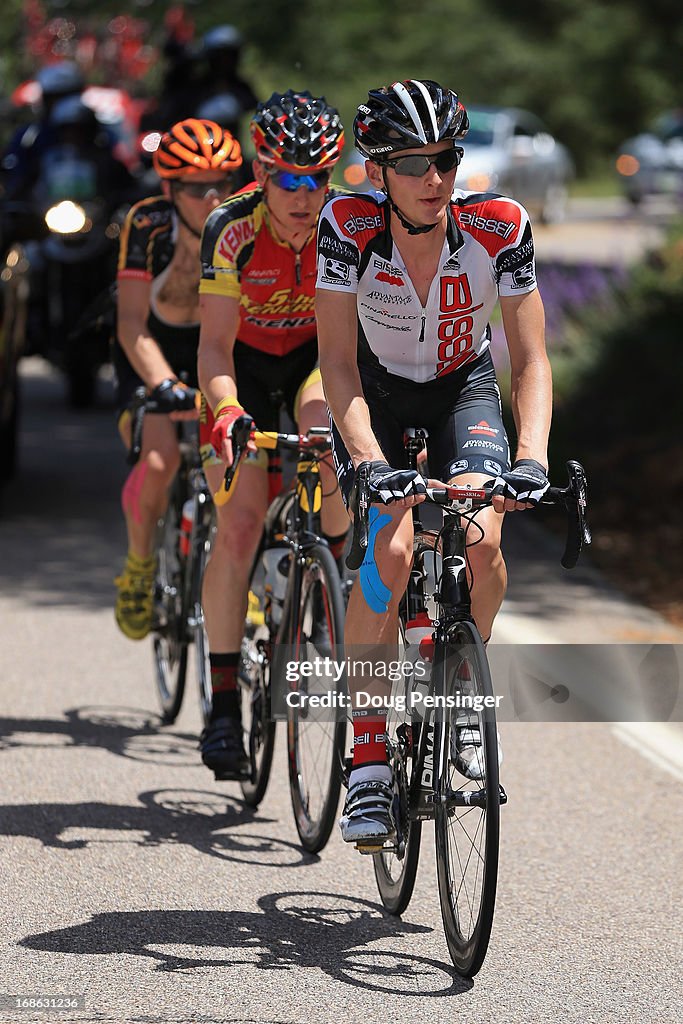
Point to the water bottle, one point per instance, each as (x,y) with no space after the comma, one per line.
(276,568)
(186,520)
(419,652)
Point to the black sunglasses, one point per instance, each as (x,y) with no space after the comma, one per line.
(201,189)
(417,166)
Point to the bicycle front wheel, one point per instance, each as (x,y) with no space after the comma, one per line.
(467,818)
(254,681)
(315,735)
(170,637)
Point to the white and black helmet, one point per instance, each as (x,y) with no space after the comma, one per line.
(406,115)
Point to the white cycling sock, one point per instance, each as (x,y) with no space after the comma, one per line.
(370,773)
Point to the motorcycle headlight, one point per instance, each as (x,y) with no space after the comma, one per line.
(66,218)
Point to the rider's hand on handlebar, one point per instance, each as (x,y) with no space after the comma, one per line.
(522,487)
(404,487)
(226,416)
(176,399)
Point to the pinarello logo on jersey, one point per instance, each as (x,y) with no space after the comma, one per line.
(483,428)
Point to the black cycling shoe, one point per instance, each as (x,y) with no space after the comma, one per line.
(223,750)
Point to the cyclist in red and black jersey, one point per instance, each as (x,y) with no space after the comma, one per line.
(407,281)
(158,333)
(258,351)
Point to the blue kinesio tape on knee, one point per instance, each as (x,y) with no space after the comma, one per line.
(375,592)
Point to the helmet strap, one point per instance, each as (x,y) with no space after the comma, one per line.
(183,221)
(412,229)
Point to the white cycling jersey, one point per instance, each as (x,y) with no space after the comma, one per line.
(488,251)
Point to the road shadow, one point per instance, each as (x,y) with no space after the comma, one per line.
(291,931)
(134,733)
(62,535)
(213,824)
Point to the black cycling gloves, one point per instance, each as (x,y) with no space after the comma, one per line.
(388,485)
(526,481)
(173,396)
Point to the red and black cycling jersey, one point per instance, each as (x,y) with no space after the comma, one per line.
(242,258)
(488,251)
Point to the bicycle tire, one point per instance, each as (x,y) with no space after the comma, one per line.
(201,640)
(315,745)
(254,680)
(170,639)
(396,868)
(467,836)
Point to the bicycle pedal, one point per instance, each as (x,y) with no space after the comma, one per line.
(367,849)
(232,776)
(503,795)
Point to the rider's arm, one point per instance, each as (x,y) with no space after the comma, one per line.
(337,318)
(530,374)
(219,317)
(142,351)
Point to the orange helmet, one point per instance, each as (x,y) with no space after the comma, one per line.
(195,145)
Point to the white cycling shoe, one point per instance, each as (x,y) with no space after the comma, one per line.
(367,820)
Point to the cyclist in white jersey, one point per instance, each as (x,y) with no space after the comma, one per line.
(407,280)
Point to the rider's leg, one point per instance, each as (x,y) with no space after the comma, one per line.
(371,635)
(224,598)
(143,500)
(311,411)
(489,574)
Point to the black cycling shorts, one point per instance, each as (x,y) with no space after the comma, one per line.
(462,414)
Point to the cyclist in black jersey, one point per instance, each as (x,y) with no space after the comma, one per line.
(407,280)
(158,333)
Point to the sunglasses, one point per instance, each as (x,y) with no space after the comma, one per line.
(417,166)
(293,182)
(203,189)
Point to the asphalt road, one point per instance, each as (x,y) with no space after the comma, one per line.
(131,878)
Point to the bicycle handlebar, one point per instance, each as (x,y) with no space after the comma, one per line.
(574,498)
(317,438)
(141,404)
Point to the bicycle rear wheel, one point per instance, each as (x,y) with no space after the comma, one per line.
(170,638)
(254,681)
(467,811)
(315,735)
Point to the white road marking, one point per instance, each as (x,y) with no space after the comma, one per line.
(660,743)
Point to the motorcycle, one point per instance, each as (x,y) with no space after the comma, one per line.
(68,233)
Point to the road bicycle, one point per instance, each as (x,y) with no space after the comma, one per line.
(181,547)
(295,613)
(452,707)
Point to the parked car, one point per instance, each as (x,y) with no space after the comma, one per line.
(651,163)
(508,151)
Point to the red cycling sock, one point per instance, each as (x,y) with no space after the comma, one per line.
(369,737)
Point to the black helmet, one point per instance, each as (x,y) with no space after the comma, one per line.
(222,37)
(62,79)
(406,115)
(296,131)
